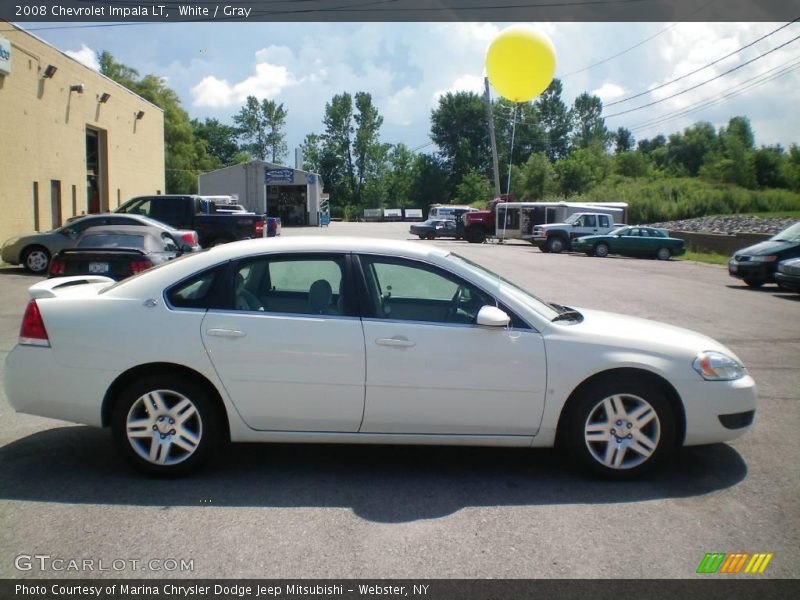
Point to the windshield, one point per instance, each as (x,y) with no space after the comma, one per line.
(788,235)
(509,288)
(573,218)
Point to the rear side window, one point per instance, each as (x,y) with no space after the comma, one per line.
(603,221)
(198,291)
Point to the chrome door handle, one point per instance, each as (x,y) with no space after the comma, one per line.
(397,342)
(226,333)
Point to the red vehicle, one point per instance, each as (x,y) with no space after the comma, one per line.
(480,225)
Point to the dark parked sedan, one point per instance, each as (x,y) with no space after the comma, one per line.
(788,274)
(433,228)
(757,264)
(117,252)
(631,241)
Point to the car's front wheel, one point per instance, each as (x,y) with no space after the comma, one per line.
(36,260)
(620,428)
(555,244)
(754,283)
(165,426)
(601,250)
(663,254)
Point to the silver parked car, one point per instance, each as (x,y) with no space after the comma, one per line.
(35,250)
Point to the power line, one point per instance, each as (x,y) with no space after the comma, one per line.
(694,87)
(736,90)
(638,44)
(711,64)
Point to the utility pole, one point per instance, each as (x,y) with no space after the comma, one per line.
(490,119)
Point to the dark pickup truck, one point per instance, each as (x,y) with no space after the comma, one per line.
(200,214)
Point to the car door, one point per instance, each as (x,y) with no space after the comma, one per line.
(431,369)
(289,348)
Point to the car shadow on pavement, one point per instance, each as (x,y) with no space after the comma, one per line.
(387,484)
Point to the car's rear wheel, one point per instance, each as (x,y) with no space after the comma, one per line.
(165,426)
(601,250)
(475,235)
(555,244)
(663,254)
(754,283)
(36,259)
(422,236)
(543,248)
(431,236)
(620,428)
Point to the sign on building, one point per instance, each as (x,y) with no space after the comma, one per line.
(5,56)
(279,175)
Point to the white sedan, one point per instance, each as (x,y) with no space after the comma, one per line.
(363,341)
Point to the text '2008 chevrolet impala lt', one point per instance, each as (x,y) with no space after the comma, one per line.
(363,341)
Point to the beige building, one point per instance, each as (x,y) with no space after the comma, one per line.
(72,141)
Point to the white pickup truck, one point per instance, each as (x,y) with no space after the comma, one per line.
(557,237)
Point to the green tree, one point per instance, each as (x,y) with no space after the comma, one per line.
(220,140)
(623,140)
(460,130)
(555,119)
(768,162)
(573,174)
(534,180)
(430,181)
(588,125)
(261,126)
(632,164)
(474,187)
(688,151)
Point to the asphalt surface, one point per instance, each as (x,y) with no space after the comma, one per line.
(285,511)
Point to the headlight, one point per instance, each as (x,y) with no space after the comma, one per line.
(10,241)
(715,366)
(763,258)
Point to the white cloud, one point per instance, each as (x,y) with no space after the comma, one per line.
(465,83)
(268,82)
(86,56)
(608,91)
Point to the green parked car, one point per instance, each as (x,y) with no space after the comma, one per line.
(631,241)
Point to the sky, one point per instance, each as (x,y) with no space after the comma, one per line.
(406,67)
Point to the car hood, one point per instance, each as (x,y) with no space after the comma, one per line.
(634,333)
(767,248)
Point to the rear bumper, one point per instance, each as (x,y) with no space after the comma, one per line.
(36,384)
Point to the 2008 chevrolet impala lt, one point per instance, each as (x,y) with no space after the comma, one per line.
(352,340)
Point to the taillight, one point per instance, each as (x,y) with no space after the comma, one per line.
(57,266)
(32,331)
(190,237)
(260,227)
(137,266)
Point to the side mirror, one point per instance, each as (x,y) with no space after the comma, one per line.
(491,316)
(185,248)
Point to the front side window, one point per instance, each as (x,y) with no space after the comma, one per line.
(311,285)
(410,291)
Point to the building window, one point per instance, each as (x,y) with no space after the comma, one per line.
(119,196)
(74,200)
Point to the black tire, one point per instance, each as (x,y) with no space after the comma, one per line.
(422,236)
(475,235)
(36,259)
(431,236)
(663,254)
(754,283)
(556,244)
(137,402)
(656,435)
(600,250)
(543,248)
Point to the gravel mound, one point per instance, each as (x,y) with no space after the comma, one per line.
(729,224)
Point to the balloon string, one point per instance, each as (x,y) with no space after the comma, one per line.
(510,163)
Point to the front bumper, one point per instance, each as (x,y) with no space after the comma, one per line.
(10,254)
(717,411)
(788,281)
(758,271)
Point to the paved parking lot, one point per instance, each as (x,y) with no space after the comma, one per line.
(348,511)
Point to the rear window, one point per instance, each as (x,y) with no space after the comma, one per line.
(107,240)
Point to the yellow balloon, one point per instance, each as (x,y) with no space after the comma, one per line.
(520,63)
